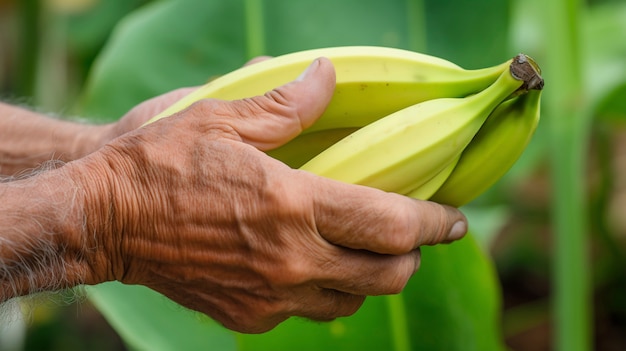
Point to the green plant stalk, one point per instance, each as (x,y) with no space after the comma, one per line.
(416,25)
(568,129)
(600,204)
(52,86)
(30,14)
(398,324)
(255,28)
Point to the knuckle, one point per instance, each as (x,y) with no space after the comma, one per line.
(292,272)
(336,304)
(433,228)
(203,107)
(402,238)
(257,318)
(352,306)
(403,274)
(398,285)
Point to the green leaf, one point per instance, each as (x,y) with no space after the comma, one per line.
(163,46)
(472,34)
(147,320)
(454,300)
(452,303)
(604,52)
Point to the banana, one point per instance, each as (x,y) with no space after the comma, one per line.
(371,82)
(303,148)
(401,121)
(493,151)
(408,148)
(426,190)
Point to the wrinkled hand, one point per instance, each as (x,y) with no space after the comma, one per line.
(191,207)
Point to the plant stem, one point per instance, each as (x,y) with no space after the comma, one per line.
(255,29)
(30,13)
(600,204)
(398,324)
(416,25)
(568,120)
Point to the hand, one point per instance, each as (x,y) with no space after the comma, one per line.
(191,207)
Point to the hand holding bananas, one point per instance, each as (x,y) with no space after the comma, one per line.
(191,207)
(402,121)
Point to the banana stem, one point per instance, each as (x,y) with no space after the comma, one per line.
(568,119)
(416,23)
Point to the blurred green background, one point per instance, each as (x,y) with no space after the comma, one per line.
(548,250)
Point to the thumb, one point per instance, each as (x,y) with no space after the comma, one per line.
(270,120)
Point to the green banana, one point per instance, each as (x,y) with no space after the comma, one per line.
(306,146)
(371,82)
(408,148)
(427,189)
(493,151)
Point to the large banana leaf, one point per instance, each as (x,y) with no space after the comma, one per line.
(453,302)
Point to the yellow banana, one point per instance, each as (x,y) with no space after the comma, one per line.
(408,148)
(372,82)
(493,151)
(426,190)
(303,148)
(401,121)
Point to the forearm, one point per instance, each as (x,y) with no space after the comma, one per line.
(28,139)
(42,239)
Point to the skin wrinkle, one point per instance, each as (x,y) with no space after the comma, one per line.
(289,109)
(117,225)
(241,221)
(439,217)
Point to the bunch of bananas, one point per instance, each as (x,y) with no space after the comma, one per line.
(402,121)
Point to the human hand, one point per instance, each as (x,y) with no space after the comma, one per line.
(191,207)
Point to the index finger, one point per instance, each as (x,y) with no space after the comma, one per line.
(360,217)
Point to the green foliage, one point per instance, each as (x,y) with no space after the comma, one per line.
(165,45)
(147,320)
(451,303)
(170,44)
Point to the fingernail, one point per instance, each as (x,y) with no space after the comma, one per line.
(312,67)
(458,230)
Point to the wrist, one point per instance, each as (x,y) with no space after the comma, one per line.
(43,239)
(108,210)
(98,213)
